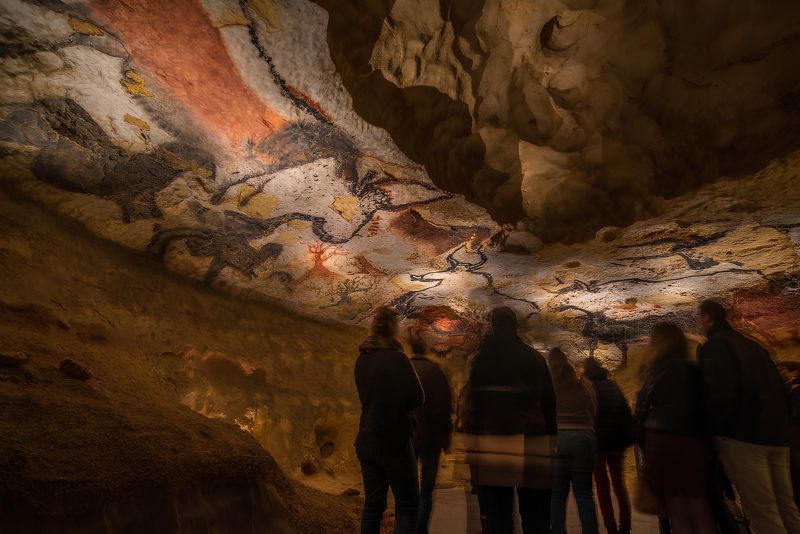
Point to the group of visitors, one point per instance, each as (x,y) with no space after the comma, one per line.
(535,428)
(727,415)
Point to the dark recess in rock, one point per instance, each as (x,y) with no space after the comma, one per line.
(73,369)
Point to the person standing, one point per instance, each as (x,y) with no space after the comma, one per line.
(747,410)
(577,446)
(389,391)
(434,426)
(614,428)
(790,372)
(511,411)
(677,457)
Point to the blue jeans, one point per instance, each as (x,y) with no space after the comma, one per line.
(577,454)
(381,469)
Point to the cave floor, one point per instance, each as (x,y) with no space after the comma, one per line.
(456,511)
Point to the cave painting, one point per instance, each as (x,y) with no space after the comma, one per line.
(177,44)
(225,143)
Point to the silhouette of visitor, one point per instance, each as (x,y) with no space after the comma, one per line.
(614,428)
(389,391)
(511,424)
(790,372)
(577,445)
(747,411)
(434,425)
(677,457)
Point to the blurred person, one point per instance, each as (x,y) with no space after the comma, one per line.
(790,372)
(677,456)
(577,445)
(614,428)
(511,421)
(747,410)
(434,425)
(389,391)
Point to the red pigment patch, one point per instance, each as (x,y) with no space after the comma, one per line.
(446,330)
(413,226)
(774,317)
(175,43)
(320,253)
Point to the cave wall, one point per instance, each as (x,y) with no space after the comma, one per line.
(176,371)
(168,341)
(574,115)
(316,156)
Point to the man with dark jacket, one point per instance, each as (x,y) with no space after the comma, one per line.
(434,425)
(614,428)
(512,410)
(747,412)
(790,372)
(389,391)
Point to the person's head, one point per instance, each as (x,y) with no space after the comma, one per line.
(593,370)
(669,341)
(385,322)
(418,346)
(504,320)
(711,314)
(560,368)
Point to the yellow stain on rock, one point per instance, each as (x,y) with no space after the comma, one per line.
(346,206)
(229,17)
(135,84)
(180,164)
(84,27)
(258,204)
(268,11)
(136,121)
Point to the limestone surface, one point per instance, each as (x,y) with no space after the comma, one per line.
(574,115)
(332,156)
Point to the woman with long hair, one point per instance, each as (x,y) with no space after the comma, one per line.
(577,446)
(677,456)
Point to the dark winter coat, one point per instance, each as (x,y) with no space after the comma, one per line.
(576,407)
(614,426)
(746,398)
(434,423)
(510,390)
(389,391)
(671,398)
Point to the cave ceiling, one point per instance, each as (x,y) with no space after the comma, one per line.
(594,165)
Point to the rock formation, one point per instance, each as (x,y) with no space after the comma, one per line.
(264,147)
(573,115)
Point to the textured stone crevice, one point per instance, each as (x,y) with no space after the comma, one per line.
(428,125)
(578,115)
